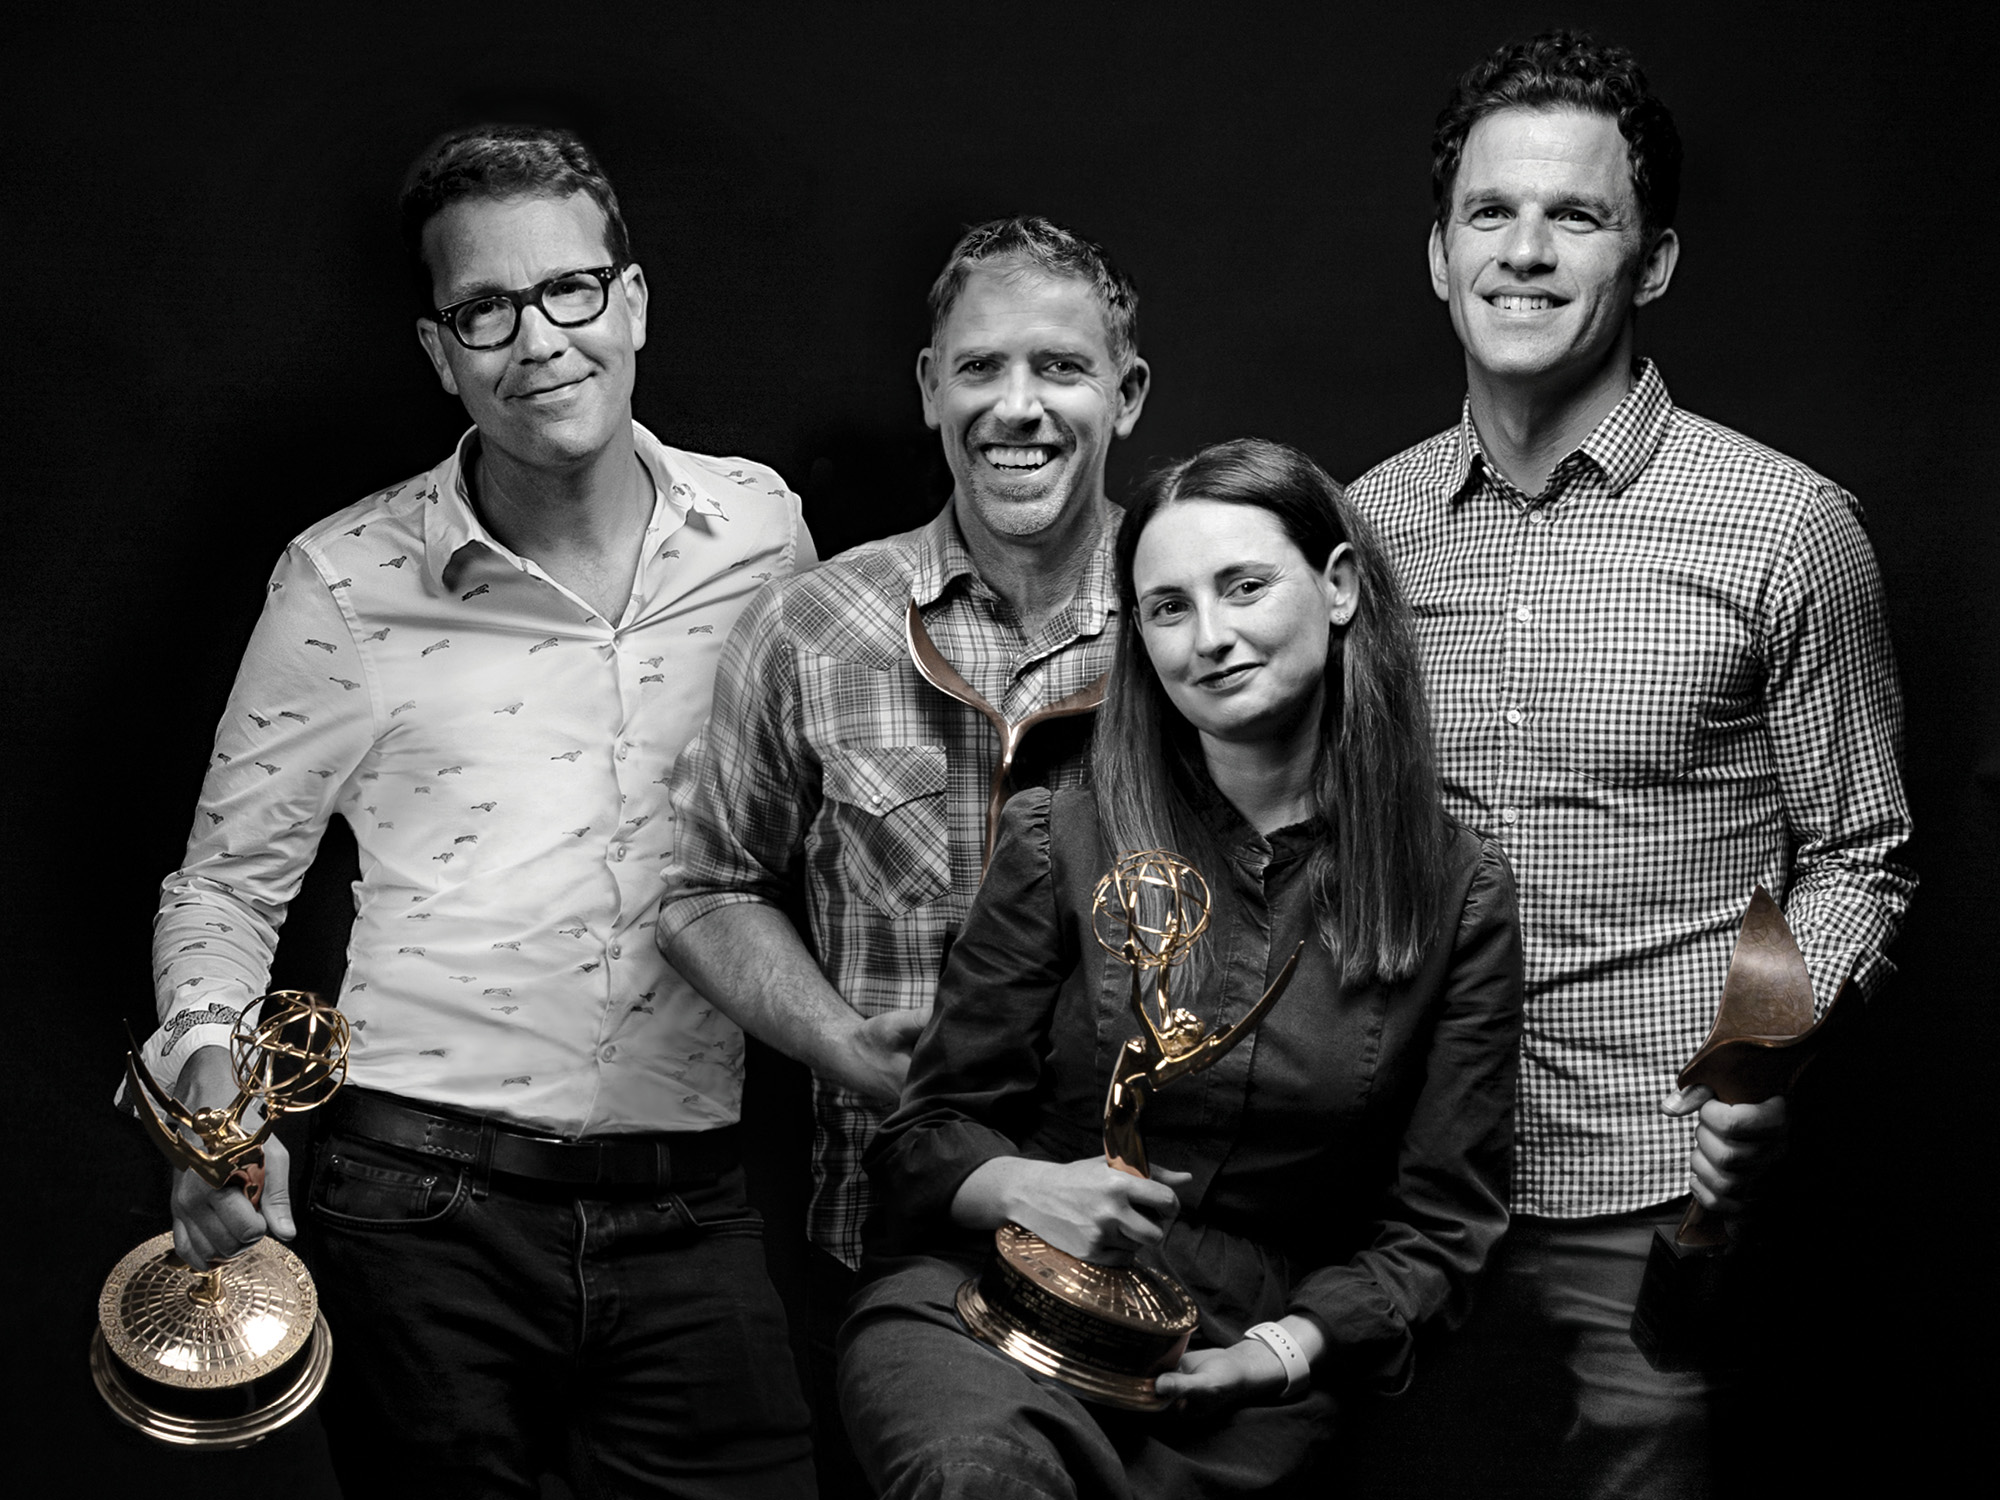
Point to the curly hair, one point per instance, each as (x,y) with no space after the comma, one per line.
(1377,880)
(1567,70)
(1053,250)
(502,161)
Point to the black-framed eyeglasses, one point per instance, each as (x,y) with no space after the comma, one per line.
(490,320)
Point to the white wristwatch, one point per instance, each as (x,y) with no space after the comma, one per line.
(1298,1370)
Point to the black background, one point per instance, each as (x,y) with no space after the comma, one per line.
(210,349)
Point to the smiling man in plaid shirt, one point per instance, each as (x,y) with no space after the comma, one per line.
(829,752)
(1661,677)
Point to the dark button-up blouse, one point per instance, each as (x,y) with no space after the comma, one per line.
(1349,1158)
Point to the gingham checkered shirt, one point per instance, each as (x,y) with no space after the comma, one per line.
(1661,682)
(826,746)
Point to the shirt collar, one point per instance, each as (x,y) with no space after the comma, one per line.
(943,558)
(1235,834)
(1618,447)
(451,524)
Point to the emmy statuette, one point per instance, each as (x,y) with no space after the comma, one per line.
(221,1358)
(1762,1040)
(1106,1331)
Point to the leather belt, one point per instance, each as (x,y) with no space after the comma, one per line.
(676,1158)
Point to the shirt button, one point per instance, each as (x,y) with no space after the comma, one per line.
(1513,716)
(623,751)
(608,1051)
(617,851)
(1537,514)
(616,951)
(1523,613)
(1510,816)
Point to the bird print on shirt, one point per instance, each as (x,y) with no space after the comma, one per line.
(392,579)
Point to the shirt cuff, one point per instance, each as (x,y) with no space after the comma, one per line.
(678,913)
(204,1013)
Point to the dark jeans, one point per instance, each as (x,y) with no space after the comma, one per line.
(634,1346)
(1543,1392)
(936,1415)
(829,1285)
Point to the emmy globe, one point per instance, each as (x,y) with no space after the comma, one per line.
(1106,1331)
(223,1357)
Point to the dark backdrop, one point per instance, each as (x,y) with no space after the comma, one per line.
(209,350)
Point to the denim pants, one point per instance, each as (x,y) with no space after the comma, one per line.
(1543,1392)
(484,1333)
(936,1415)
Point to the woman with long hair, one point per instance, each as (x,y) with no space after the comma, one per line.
(1332,1182)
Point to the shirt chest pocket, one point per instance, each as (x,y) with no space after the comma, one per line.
(888,806)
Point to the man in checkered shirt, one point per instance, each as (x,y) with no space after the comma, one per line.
(828,753)
(1661,677)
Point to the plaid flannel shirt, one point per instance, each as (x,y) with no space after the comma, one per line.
(1665,680)
(825,746)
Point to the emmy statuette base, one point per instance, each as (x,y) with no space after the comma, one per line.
(299,1384)
(1106,1387)
(1103,1331)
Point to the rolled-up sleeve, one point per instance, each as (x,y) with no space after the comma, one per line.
(743,792)
(290,737)
(1835,717)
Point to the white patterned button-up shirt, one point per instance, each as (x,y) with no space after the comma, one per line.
(501,753)
(1659,684)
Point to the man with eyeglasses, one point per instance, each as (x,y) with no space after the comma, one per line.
(870,715)
(532,1238)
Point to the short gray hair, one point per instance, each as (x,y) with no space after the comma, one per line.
(1057,252)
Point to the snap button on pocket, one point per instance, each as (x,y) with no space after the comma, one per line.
(887,810)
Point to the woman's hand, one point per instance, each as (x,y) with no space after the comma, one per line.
(1086,1208)
(1247,1373)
